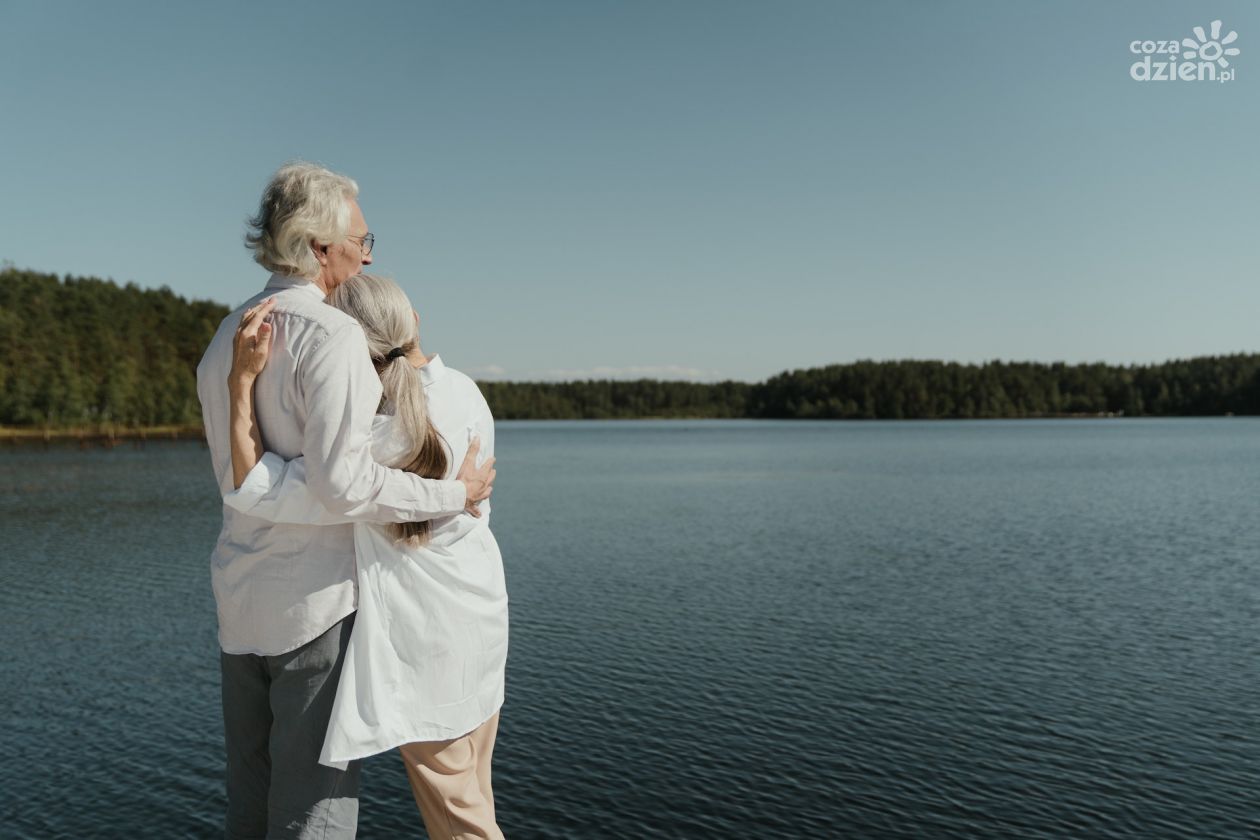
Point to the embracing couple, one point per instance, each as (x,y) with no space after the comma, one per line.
(360,592)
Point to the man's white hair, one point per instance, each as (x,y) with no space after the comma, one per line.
(302,202)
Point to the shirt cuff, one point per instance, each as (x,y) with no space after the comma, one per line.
(265,475)
(455,494)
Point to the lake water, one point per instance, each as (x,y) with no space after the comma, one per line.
(1034,629)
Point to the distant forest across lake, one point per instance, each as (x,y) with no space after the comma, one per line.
(84,352)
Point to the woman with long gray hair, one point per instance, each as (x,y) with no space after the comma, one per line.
(424,670)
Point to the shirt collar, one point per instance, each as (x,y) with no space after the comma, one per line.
(279,282)
(432,371)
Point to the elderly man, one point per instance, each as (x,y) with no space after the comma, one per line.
(286,593)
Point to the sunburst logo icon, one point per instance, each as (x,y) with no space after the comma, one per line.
(1210,49)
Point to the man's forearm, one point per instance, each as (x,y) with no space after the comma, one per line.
(277,490)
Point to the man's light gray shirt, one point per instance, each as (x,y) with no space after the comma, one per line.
(279,586)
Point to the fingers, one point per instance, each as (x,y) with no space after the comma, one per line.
(256,313)
(253,325)
(251,345)
(487,473)
(481,479)
(470,457)
(486,488)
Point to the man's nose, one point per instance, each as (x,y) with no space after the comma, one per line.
(367,259)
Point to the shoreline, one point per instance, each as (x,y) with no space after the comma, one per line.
(106,436)
(114,435)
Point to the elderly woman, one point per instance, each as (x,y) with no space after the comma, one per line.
(424,669)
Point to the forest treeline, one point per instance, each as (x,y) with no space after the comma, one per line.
(83,351)
(80,351)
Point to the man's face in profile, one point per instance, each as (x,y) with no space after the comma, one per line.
(347,258)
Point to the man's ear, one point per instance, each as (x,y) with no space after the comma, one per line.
(416,315)
(320,251)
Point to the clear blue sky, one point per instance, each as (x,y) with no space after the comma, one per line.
(669,188)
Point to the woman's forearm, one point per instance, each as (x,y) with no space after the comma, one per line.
(247,448)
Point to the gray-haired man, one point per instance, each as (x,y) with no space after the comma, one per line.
(286,593)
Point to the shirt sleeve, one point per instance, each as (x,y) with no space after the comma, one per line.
(277,490)
(212,393)
(336,480)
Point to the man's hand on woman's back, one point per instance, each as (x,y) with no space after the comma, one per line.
(478,481)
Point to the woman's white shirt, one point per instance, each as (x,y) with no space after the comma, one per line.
(427,655)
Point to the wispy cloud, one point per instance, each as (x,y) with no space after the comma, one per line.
(486,372)
(666,372)
(630,372)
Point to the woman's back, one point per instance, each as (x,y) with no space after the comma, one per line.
(459,412)
(427,656)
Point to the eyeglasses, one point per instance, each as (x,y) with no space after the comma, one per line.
(366,241)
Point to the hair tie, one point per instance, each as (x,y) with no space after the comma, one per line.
(394,354)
